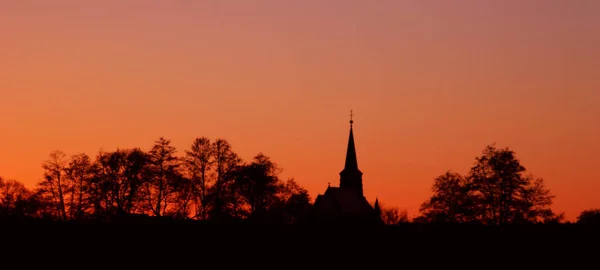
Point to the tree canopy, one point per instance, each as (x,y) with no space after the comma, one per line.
(209,181)
(497,190)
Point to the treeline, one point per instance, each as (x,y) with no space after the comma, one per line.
(497,190)
(209,182)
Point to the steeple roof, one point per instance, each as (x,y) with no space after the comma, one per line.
(351,176)
(351,162)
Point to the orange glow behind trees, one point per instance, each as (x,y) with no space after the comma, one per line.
(430,82)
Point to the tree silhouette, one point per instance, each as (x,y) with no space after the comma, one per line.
(199,161)
(536,200)
(504,194)
(164,177)
(225,198)
(115,189)
(14,198)
(53,184)
(294,203)
(258,184)
(452,200)
(184,196)
(212,182)
(80,173)
(590,217)
(496,191)
(393,215)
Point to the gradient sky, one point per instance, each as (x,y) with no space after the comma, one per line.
(430,82)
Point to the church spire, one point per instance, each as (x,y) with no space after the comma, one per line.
(351,176)
(351,162)
(377,208)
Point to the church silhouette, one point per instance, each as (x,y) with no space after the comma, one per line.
(347,203)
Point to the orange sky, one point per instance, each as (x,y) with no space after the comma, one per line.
(430,82)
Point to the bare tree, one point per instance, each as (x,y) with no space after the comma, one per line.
(295,202)
(451,200)
(79,173)
(13,197)
(115,187)
(164,176)
(259,184)
(54,171)
(226,201)
(393,215)
(199,161)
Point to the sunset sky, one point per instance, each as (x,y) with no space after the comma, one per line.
(431,83)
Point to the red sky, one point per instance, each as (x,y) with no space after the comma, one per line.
(430,82)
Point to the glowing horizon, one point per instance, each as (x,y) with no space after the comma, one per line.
(430,83)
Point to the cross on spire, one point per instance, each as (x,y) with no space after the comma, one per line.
(351,114)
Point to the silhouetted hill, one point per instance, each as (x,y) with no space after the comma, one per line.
(180,240)
(241,228)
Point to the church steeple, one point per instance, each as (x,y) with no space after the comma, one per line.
(351,176)
(376,208)
(351,162)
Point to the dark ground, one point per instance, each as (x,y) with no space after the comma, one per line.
(179,244)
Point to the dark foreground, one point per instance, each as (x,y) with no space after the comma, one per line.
(179,244)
